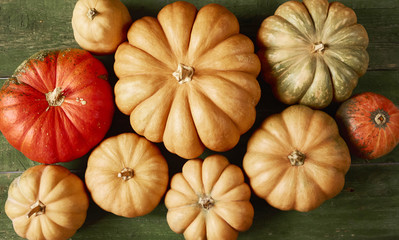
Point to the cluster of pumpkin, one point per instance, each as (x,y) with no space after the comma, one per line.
(188,79)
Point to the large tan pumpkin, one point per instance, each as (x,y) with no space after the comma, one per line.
(47,202)
(127,175)
(209,200)
(188,78)
(297,159)
(313,52)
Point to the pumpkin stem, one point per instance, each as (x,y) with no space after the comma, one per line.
(55,98)
(318,47)
(92,13)
(380,118)
(297,158)
(37,208)
(183,73)
(206,202)
(126,173)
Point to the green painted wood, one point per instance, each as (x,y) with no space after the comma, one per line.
(367,208)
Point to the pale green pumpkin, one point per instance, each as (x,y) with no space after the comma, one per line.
(313,52)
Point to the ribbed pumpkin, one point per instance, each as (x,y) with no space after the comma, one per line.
(370,124)
(127,175)
(99,26)
(47,202)
(296,160)
(188,78)
(313,52)
(57,105)
(209,200)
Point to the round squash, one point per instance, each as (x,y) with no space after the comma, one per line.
(127,175)
(99,26)
(209,200)
(57,106)
(47,202)
(312,52)
(188,79)
(297,159)
(369,122)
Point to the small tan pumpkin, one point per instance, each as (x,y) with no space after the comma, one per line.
(297,159)
(209,200)
(313,52)
(127,175)
(99,26)
(47,202)
(188,78)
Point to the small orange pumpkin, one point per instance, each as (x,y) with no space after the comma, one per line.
(209,200)
(127,175)
(47,202)
(297,159)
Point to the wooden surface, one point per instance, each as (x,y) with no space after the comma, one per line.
(367,208)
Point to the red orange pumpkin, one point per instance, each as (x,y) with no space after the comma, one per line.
(370,124)
(57,105)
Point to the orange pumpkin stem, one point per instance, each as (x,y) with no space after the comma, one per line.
(183,73)
(126,173)
(92,13)
(206,202)
(37,208)
(297,158)
(55,98)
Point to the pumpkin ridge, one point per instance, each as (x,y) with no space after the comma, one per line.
(287,70)
(275,138)
(43,225)
(299,33)
(283,175)
(43,198)
(277,178)
(239,174)
(204,92)
(57,224)
(67,116)
(339,60)
(224,14)
(249,94)
(165,90)
(226,116)
(66,79)
(315,185)
(184,193)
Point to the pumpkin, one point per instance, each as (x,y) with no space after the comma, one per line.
(369,123)
(209,200)
(296,159)
(188,79)
(99,26)
(47,202)
(312,52)
(127,175)
(57,105)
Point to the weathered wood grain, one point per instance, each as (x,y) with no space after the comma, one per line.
(367,208)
